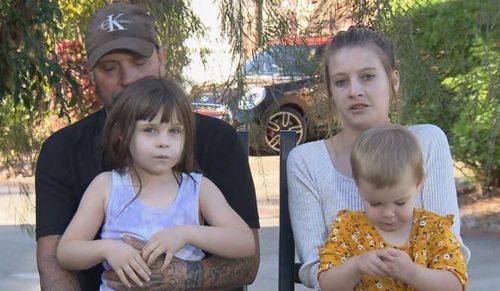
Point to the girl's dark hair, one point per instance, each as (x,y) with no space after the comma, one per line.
(362,36)
(143,100)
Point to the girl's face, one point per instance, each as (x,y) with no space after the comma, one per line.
(157,147)
(390,208)
(360,87)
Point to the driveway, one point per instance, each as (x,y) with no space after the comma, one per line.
(17,245)
(18,264)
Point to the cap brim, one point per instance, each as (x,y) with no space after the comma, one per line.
(140,46)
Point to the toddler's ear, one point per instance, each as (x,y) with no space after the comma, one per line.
(395,80)
(420,185)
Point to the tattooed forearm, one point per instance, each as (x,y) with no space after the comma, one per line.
(210,273)
(231,273)
(223,273)
(194,275)
(179,275)
(174,277)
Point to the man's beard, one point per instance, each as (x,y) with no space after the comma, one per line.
(105,102)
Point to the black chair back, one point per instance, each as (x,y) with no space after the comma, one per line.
(287,270)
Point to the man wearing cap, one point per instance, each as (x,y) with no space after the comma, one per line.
(122,47)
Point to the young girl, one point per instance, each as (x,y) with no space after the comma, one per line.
(391,245)
(361,79)
(152,193)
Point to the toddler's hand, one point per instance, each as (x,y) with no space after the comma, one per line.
(370,263)
(127,262)
(399,263)
(169,241)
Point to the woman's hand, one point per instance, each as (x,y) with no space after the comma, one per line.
(168,241)
(399,263)
(371,263)
(127,262)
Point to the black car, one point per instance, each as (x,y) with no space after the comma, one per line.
(281,93)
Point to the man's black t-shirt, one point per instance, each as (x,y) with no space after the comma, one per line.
(71,158)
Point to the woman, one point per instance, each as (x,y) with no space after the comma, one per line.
(361,79)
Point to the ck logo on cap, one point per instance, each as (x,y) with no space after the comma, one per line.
(111,24)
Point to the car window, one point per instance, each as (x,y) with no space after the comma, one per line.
(285,61)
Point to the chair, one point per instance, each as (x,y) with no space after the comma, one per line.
(288,269)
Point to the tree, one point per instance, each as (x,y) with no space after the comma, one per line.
(27,73)
(448,54)
(450,60)
(42,73)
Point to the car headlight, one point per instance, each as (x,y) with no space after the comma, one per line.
(252,98)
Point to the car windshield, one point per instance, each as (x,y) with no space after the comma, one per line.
(285,61)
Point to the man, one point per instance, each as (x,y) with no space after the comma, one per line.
(122,47)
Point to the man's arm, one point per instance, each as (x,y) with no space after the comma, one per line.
(52,276)
(53,209)
(212,273)
(228,274)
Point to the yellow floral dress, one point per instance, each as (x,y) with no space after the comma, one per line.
(431,244)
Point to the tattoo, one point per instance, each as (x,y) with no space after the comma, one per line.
(213,272)
(195,274)
(169,279)
(226,273)
(179,275)
(210,273)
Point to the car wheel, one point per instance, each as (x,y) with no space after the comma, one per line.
(284,119)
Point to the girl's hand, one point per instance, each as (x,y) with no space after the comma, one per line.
(370,263)
(168,241)
(399,263)
(127,262)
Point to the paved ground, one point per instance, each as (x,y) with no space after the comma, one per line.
(17,245)
(18,265)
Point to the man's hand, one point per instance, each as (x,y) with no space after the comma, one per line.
(209,274)
(136,243)
(127,262)
(399,263)
(167,241)
(167,280)
(172,278)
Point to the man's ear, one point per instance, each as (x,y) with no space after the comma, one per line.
(162,59)
(86,65)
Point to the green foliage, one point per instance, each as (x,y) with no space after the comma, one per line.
(448,50)
(42,73)
(27,71)
(234,15)
(175,22)
(450,63)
